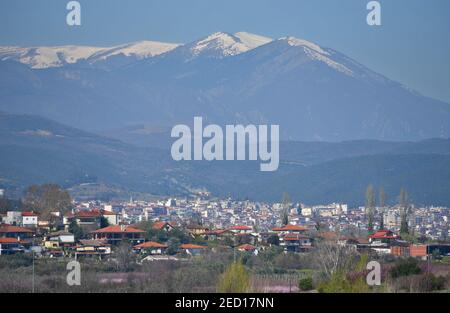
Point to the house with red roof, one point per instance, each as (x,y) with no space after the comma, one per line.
(162,225)
(192,249)
(383,236)
(295,242)
(150,247)
(382,240)
(241,229)
(10,246)
(290,228)
(30,219)
(116,233)
(246,247)
(92,248)
(90,219)
(11,231)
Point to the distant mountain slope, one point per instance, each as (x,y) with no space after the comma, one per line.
(426,178)
(314,93)
(38,150)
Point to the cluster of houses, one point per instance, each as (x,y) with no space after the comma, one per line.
(25,232)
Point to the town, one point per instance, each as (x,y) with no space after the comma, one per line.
(180,229)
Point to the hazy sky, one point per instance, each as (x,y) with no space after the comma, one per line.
(412,45)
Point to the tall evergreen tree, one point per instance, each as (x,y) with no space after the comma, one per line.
(286,202)
(404,210)
(382,206)
(370,207)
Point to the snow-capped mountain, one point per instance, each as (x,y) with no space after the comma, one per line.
(223,44)
(312,92)
(217,44)
(45,57)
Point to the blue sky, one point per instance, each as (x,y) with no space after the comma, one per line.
(412,46)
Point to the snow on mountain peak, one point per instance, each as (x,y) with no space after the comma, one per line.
(252,40)
(223,44)
(55,56)
(316,53)
(139,49)
(43,57)
(292,41)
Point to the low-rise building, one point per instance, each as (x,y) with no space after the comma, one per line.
(10,246)
(116,233)
(192,249)
(150,247)
(30,219)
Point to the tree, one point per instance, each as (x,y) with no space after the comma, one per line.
(47,198)
(235,279)
(382,199)
(104,222)
(125,258)
(273,240)
(403,199)
(286,204)
(76,230)
(332,258)
(370,207)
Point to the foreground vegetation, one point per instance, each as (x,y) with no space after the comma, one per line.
(225,271)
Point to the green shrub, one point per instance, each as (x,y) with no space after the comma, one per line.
(405,267)
(306,284)
(433,283)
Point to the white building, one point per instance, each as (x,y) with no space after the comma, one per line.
(29,219)
(13,218)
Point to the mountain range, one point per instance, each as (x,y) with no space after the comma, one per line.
(314,93)
(101,117)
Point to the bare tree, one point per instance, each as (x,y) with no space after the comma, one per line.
(332,256)
(125,258)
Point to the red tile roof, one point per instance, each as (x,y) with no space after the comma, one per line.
(118,229)
(87,214)
(246,247)
(386,234)
(290,227)
(191,246)
(150,244)
(29,214)
(8,240)
(160,225)
(216,231)
(14,229)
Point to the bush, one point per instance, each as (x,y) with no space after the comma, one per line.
(235,279)
(405,267)
(306,284)
(16,260)
(430,282)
